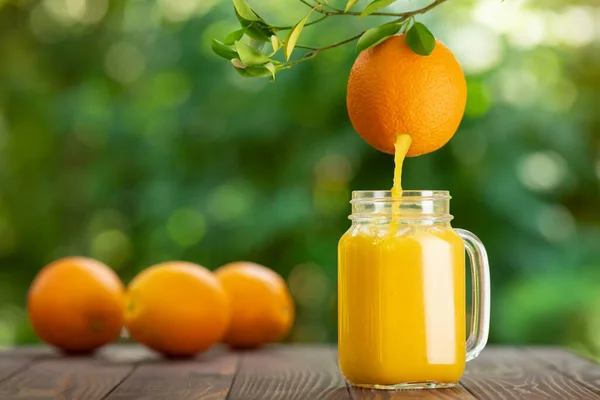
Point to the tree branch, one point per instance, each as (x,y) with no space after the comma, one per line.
(287,28)
(314,51)
(308,4)
(402,17)
(299,46)
(385,14)
(317,50)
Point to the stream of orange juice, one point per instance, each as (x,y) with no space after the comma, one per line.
(403,142)
(396,323)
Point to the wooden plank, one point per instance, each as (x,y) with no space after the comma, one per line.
(505,373)
(15,359)
(207,377)
(68,378)
(11,362)
(457,393)
(582,370)
(291,373)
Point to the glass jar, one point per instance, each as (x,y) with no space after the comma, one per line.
(401,292)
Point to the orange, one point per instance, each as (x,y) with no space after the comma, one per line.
(392,90)
(76,304)
(177,308)
(261,305)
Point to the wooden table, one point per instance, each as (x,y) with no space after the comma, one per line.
(278,372)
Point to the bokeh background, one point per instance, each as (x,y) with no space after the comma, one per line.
(122,137)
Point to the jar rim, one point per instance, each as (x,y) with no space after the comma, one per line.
(405,195)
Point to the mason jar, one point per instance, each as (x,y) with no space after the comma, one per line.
(401,292)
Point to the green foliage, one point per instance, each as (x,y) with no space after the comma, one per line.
(250,56)
(244,11)
(258,29)
(233,37)
(420,39)
(374,36)
(350,4)
(375,5)
(224,51)
(294,34)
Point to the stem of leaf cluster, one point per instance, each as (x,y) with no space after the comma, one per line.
(287,28)
(299,46)
(317,50)
(337,11)
(402,17)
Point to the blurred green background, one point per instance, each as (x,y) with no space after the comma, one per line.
(122,137)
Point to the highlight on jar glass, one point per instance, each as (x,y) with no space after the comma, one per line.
(401,292)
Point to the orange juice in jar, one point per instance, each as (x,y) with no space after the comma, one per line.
(401,292)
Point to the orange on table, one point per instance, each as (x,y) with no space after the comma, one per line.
(262,307)
(392,90)
(177,308)
(76,304)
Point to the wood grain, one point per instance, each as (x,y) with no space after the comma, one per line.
(499,374)
(584,371)
(64,378)
(278,372)
(291,373)
(15,359)
(457,393)
(207,377)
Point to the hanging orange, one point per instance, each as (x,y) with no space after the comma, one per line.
(392,90)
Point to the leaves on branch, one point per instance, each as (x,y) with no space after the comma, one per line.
(420,39)
(244,10)
(233,37)
(260,71)
(275,43)
(250,61)
(350,4)
(223,50)
(292,38)
(249,55)
(376,5)
(374,36)
(258,30)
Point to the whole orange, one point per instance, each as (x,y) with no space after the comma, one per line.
(261,305)
(177,308)
(76,304)
(392,90)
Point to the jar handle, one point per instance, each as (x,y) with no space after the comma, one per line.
(480,309)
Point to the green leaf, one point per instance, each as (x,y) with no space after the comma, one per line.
(292,38)
(233,37)
(420,39)
(350,4)
(276,43)
(223,50)
(258,30)
(243,10)
(258,45)
(258,71)
(374,36)
(244,73)
(375,5)
(249,55)
(263,71)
